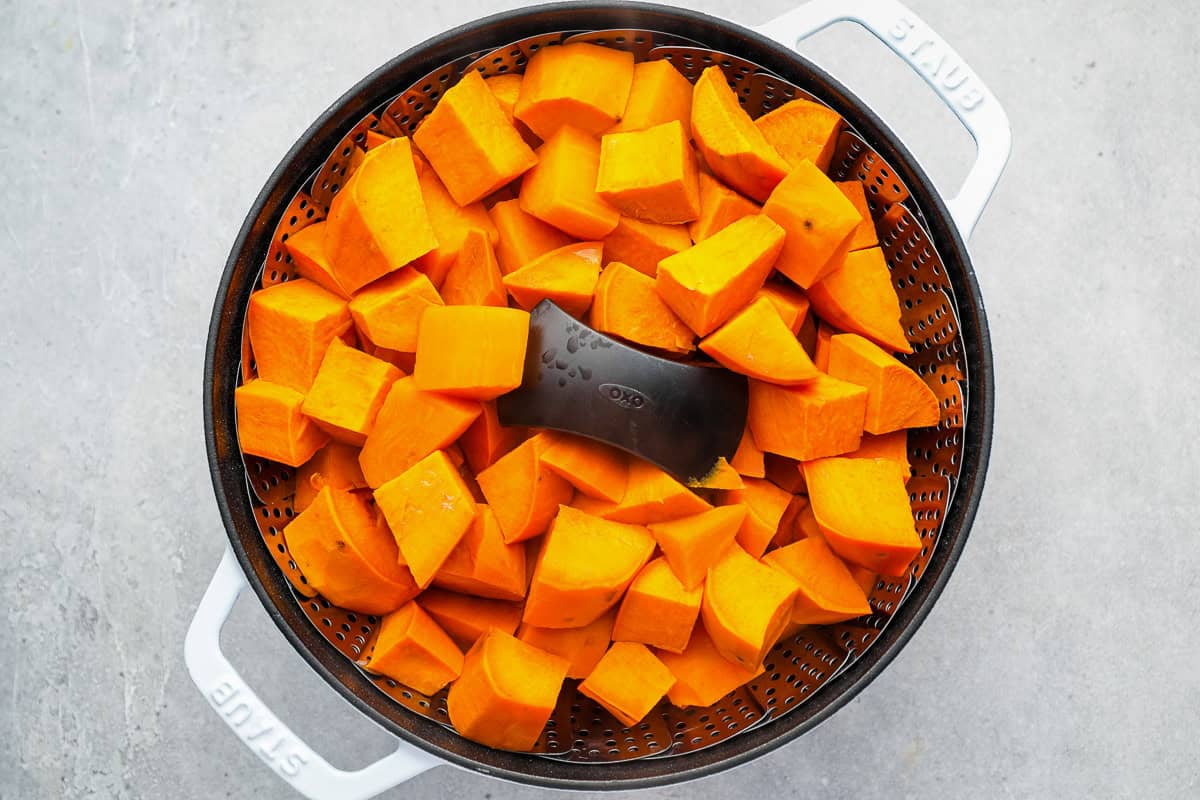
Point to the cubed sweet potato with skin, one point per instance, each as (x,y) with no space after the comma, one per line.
(629,681)
(650,174)
(271,424)
(561,189)
(582,85)
(823,417)
(348,392)
(659,93)
(412,649)
(523,237)
(388,312)
(692,544)
(475,352)
(291,325)
(642,245)
(801,130)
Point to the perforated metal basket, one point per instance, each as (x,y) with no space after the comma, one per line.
(806,677)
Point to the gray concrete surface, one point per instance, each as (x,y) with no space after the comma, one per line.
(1061,661)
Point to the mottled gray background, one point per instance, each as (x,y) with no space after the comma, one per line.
(1061,658)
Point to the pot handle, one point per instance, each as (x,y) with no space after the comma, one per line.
(942,68)
(258,728)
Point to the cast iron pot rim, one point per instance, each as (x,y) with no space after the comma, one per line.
(752,743)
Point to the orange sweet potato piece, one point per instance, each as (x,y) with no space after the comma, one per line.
(466,618)
(642,245)
(592,467)
(389,311)
(506,88)
(897,398)
(859,298)
(506,692)
(307,249)
(732,146)
(652,495)
(271,425)
(720,207)
(412,649)
(629,681)
(819,221)
(889,446)
(865,578)
(469,142)
(561,189)
(348,392)
(865,234)
(650,174)
(410,425)
(863,511)
(378,223)
(477,352)
(585,566)
(524,494)
(581,647)
(566,276)
(765,503)
(789,302)
(482,564)
(709,282)
(784,472)
(451,223)
(474,278)
(823,417)
(627,305)
(523,237)
(692,544)
(658,610)
(346,553)
(579,84)
(486,440)
(821,351)
(291,326)
(746,606)
(702,675)
(757,342)
(748,460)
(659,94)
(802,130)
(334,465)
(429,509)
(828,592)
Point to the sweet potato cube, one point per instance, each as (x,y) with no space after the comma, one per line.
(523,237)
(581,647)
(627,305)
(652,495)
(429,509)
(628,681)
(374,139)
(745,622)
(702,675)
(889,446)
(580,84)
(897,398)
(451,224)
(567,276)
(291,325)
(657,609)
(506,692)
(733,147)
(470,143)
(863,511)
(720,207)
(482,564)
(410,425)
(486,440)
(561,189)
(659,94)
(757,342)
(748,460)
(412,649)
(709,282)
(378,223)
(592,467)
(474,278)
(466,618)
(334,465)
(801,130)
(524,494)
(346,552)
(388,311)
(823,417)
(828,592)
(790,303)
(348,392)
(859,298)
(477,352)
(765,503)
(270,423)
(865,234)
(692,544)
(506,88)
(642,245)
(650,174)
(307,249)
(585,565)
(819,221)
